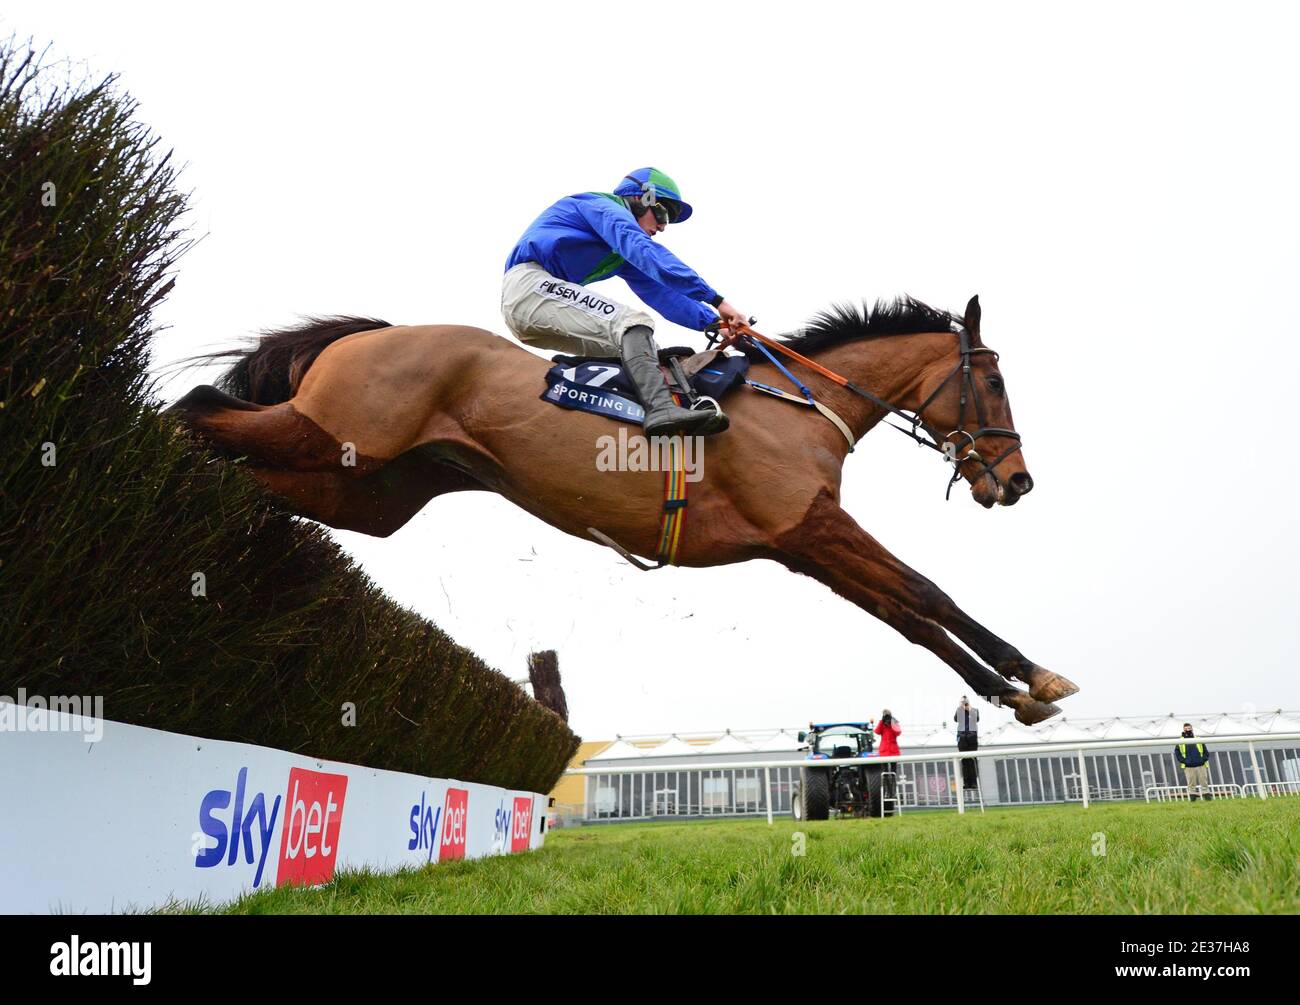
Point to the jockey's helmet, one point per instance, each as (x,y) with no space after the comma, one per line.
(651,187)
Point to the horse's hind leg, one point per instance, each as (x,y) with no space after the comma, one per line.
(377,503)
(278,436)
(206,399)
(313,473)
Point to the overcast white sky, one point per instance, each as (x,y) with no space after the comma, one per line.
(1116,181)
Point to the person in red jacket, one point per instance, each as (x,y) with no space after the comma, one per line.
(888,730)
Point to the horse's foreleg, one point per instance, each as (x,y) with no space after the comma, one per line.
(1043,683)
(830,546)
(931,602)
(983,681)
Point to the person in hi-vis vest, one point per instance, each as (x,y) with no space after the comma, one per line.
(1195,759)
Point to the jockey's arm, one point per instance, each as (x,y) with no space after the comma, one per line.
(619,230)
(675,307)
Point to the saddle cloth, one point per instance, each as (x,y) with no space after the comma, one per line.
(598,384)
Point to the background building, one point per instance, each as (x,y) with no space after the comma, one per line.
(681,787)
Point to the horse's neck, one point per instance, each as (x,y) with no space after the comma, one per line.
(892,367)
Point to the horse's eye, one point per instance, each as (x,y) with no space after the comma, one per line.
(995,385)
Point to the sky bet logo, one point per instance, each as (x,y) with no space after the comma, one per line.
(513,823)
(424,826)
(500,827)
(521,823)
(454,823)
(308,841)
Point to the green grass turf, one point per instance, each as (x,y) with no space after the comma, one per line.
(1228,856)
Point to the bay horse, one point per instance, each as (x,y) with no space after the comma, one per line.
(357,424)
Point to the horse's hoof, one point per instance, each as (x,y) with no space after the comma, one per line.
(1048,687)
(1029,710)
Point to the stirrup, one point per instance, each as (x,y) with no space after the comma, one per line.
(720,422)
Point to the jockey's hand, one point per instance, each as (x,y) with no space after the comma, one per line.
(732,317)
(721,336)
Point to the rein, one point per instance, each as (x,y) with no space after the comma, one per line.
(948,448)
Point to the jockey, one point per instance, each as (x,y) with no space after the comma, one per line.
(595,235)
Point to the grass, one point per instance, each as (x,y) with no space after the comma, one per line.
(1226,857)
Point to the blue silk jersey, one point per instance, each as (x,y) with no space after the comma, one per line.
(592,236)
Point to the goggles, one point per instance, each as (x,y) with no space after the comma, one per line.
(665,211)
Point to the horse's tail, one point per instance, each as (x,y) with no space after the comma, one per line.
(269,369)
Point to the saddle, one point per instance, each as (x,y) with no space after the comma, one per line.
(598,384)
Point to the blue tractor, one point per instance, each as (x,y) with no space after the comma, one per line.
(849,789)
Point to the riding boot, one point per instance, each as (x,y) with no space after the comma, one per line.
(663,417)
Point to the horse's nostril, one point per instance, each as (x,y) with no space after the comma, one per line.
(1021,482)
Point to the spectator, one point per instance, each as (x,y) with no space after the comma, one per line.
(968,726)
(1195,760)
(888,730)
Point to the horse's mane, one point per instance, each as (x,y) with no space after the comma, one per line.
(842,323)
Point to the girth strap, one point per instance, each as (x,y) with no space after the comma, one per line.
(674,514)
(674,505)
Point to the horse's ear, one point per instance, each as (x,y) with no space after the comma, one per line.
(972,319)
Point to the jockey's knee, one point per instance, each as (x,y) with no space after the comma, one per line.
(633,317)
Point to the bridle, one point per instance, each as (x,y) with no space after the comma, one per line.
(968,389)
(917,425)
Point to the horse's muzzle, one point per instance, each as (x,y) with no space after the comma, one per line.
(987,490)
(1016,486)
